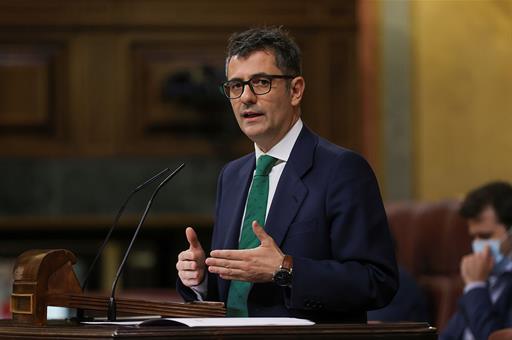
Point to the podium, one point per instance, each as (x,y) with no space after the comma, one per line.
(383,331)
(45,278)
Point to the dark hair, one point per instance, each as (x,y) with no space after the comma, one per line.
(498,195)
(272,39)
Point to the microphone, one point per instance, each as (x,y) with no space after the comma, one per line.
(116,220)
(80,312)
(111,313)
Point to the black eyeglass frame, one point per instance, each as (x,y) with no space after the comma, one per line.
(271,77)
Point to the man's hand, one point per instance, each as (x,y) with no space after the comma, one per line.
(253,265)
(190,265)
(477,267)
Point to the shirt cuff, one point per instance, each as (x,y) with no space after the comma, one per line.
(201,289)
(473,285)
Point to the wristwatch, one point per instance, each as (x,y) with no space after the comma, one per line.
(283,276)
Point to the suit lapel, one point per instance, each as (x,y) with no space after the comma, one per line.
(291,191)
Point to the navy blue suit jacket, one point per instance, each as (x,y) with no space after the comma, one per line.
(328,214)
(476,311)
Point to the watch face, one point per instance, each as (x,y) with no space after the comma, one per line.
(283,278)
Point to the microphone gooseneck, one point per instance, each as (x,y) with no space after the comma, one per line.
(111,313)
(114,225)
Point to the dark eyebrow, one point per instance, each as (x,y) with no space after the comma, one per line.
(260,74)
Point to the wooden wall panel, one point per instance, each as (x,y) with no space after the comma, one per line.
(345,118)
(140,77)
(176,104)
(330,102)
(28,74)
(157,14)
(33,94)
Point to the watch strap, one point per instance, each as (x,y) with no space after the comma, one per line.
(287,263)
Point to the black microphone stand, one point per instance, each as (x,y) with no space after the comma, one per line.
(114,225)
(80,312)
(112,309)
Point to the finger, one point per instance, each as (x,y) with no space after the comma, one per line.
(231,273)
(231,264)
(190,275)
(190,282)
(487,251)
(229,254)
(187,255)
(192,239)
(466,261)
(260,232)
(488,256)
(187,265)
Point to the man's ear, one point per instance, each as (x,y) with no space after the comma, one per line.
(297,86)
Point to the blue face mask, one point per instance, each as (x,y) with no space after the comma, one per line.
(494,247)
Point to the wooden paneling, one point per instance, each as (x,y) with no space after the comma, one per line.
(155,14)
(140,77)
(33,94)
(345,119)
(25,87)
(175,99)
(368,81)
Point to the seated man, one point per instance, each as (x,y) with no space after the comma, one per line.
(486,304)
(409,303)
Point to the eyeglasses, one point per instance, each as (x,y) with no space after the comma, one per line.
(259,85)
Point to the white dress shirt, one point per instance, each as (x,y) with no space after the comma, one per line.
(281,151)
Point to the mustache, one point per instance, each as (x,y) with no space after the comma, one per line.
(250,107)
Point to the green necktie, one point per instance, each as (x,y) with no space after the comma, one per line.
(255,211)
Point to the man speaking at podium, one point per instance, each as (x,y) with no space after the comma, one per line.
(300,228)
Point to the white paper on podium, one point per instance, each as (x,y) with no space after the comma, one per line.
(209,322)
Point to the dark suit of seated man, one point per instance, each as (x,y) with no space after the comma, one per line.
(486,304)
(409,303)
(300,229)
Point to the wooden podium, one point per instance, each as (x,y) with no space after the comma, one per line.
(45,278)
(384,331)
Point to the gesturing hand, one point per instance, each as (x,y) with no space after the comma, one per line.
(253,265)
(191,265)
(476,267)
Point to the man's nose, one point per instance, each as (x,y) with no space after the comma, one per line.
(247,95)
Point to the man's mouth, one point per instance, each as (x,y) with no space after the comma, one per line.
(251,114)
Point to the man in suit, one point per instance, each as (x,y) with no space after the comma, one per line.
(300,229)
(486,304)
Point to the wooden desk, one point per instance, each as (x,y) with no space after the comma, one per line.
(63,330)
